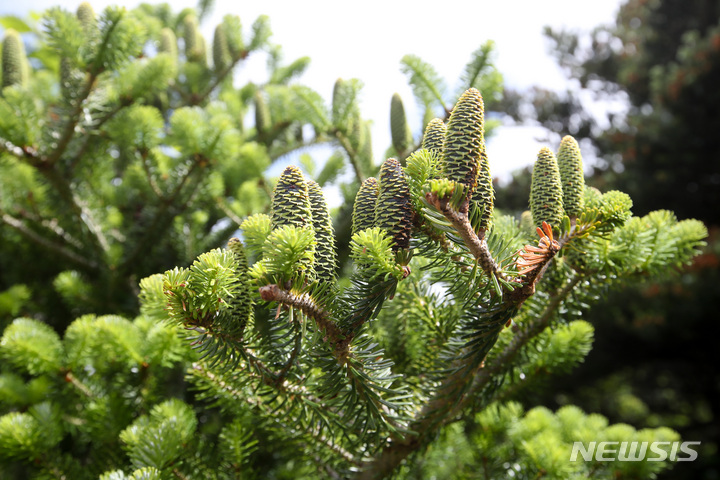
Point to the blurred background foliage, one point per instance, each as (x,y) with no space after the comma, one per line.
(654,361)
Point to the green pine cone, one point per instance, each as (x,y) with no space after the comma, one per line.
(464,140)
(201,50)
(399,129)
(191,35)
(434,137)
(365,152)
(241,305)
(168,43)
(291,200)
(86,15)
(483,198)
(263,122)
(571,176)
(363,215)
(221,52)
(325,258)
(394,211)
(14,70)
(338,88)
(546,197)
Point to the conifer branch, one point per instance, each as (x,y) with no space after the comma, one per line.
(293,355)
(351,153)
(62,250)
(69,130)
(12,149)
(229,213)
(317,437)
(146,168)
(53,227)
(162,218)
(332,333)
(529,331)
(75,382)
(198,99)
(80,154)
(475,243)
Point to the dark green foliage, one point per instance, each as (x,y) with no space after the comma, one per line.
(434,136)
(464,141)
(572,177)
(363,215)
(399,128)
(546,195)
(13,60)
(325,257)
(291,200)
(394,212)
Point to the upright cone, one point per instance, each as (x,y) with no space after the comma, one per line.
(325,257)
(14,68)
(393,212)
(546,196)
(464,140)
(291,200)
(363,215)
(571,176)
(241,305)
(434,136)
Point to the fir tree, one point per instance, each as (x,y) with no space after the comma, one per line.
(289,370)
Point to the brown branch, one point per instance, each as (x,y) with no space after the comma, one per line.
(478,246)
(75,382)
(331,332)
(457,391)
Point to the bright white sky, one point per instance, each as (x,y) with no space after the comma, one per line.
(366,40)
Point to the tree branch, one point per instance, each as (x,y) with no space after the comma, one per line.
(62,250)
(198,99)
(331,332)
(531,329)
(478,246)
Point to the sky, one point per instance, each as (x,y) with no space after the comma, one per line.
(366,40)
